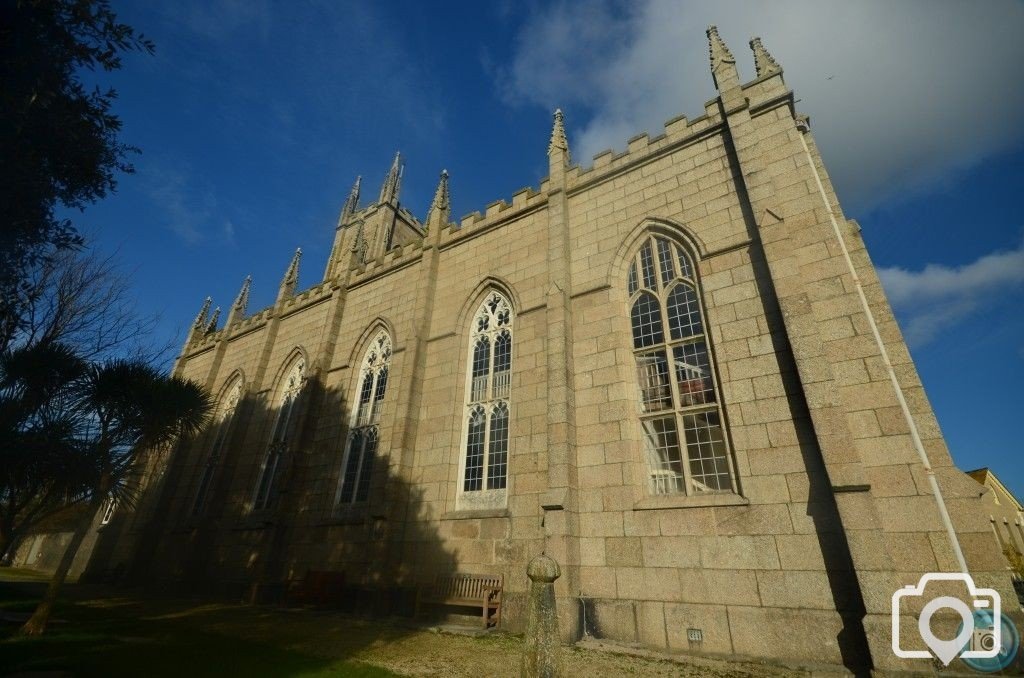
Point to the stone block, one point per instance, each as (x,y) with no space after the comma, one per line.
(753,519)
(739,553)
(711,620)
(623,552)
(650,621)
(800,551)
(724,587)
(612,619)
(804,590)
(676,551)
(807,635)
(597,582)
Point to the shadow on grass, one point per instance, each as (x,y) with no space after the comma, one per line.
(163,639)
(371,535)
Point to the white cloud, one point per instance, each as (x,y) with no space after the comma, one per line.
(938,297)
(900,94)
(182,208)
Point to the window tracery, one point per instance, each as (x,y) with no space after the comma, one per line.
(279,439)
(485,462)
(222,424)
(680,415)
(362,444)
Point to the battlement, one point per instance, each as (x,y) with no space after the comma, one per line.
(765,92)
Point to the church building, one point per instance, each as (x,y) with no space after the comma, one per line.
(674,371)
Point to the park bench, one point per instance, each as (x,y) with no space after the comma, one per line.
(465,590)
(318,587)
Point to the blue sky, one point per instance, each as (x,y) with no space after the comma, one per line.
(255,118)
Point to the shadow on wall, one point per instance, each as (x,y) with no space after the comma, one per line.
(356,546)
(821,504)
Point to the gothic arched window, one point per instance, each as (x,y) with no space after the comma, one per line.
(361,446)
(291,388)
(222,427)
(681,418)
(485,464)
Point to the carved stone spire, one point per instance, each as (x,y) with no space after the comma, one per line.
(440,209)
(558,151)
(241,302)
(291,277)
(351,203)
(723,65)
(393,181)
(558,143)
(200,320)
(764,62)
(199,324)
(211,326)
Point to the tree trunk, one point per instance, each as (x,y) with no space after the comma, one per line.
(36,625)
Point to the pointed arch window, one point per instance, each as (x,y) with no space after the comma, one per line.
(680,414)
(485,462)
(361,446)
(284,424)
(222,427)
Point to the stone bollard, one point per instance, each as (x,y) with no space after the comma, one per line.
(542,648)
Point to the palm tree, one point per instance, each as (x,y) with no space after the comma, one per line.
(122,407)
(40,470)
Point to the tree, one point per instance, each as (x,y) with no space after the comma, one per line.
(41,470)
(77,309)
(120,408)
(58,139)
(82,300)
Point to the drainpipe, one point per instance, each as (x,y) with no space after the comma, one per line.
(918,445)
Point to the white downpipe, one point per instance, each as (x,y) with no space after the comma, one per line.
(918,445)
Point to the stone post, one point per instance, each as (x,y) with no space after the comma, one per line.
(542,645)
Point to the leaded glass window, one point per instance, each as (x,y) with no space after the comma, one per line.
(680,413)
(364,433)
(485,465)
(284,422)
(222,427)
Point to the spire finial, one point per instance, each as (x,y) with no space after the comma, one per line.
(211,326)
(351,203)
(764,62)
(723,65)
(558,141)
(291,276)
(393,181)
(241,302)
(200,320)
(440,209)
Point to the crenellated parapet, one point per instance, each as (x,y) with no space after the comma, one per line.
(369,250)
(397,257)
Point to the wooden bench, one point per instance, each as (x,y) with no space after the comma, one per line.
(318,587)
(465,590)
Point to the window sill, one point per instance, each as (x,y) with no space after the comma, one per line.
(476,513)
(669,501)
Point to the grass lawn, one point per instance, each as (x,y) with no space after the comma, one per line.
(110,633)
(111,637)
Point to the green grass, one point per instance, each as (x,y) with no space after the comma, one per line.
(22,574)
(124,638)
